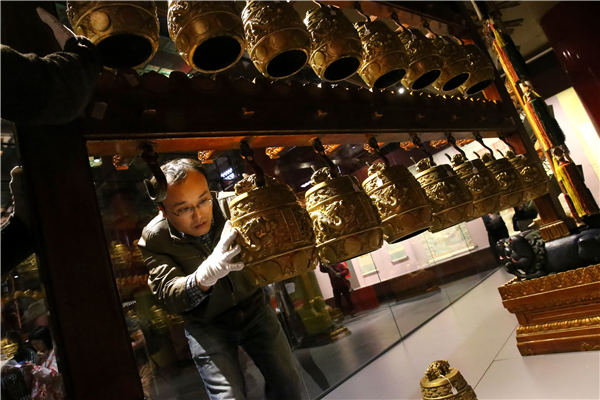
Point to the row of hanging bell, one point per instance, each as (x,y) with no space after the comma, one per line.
(211,37)
(342,220)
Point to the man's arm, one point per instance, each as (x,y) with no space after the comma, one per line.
(173,289)
(49,90)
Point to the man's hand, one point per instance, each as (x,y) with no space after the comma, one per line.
(61,32)
(220,262)
(17,189)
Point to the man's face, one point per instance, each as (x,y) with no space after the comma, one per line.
(188,205)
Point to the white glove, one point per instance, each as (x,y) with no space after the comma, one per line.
(61,32)
(220,262)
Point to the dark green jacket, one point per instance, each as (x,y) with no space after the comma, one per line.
(170,259)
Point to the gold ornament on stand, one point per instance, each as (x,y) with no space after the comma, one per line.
(125,32)
(345,221)
(479,180)
(275,231)
(401,202)
(534,177)
(384,57)
(424,62)
(336,49)
(278,41)
(209,35)
(443,382)
(456,66)
(481,71)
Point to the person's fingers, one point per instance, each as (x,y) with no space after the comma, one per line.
(232,253)
(236,266)
(227,236)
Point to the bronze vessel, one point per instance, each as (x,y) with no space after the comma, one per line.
(125,32)
(424,62)
(442,382)
(384,57)
(533,175)
(451,201)
(275,231)
(401,202)
(209,35)
(481,71)
(481,183)
(345,222)
(511,185)
(336,51)
(456,66)
(278,41)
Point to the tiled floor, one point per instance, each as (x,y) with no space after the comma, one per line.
(477,335)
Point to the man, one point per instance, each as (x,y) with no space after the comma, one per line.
(194,272)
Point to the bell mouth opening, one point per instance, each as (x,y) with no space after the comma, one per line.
(426,79)
(415,233)
(217,53)
(389,78)
(455,82)
(478,87)
(341,69)
(124,50)
(286,63)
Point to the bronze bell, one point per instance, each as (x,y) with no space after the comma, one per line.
(481,183)
(456,66)
(511,185)
(424,62)
(275,231)
(209,35)
(442,382)
(402,203)
(533,175)
(278,41)
(345,222)
(384,57)
(125,32)
(451,201)
(336,49)
(481,71)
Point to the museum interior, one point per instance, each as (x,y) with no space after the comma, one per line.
(414,187)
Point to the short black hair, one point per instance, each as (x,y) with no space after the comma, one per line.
(42,333)
(177,170)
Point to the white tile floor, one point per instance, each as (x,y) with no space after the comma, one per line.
(476,335)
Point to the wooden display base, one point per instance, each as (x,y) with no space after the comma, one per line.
(556,313)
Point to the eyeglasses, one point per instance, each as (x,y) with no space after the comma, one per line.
(188,211)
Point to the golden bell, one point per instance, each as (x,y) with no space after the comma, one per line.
(451,201)
(533,175)
(336,49)
(442,382)
(275,231)
(456,66)
(511,185)
(125,32)
(278,42)
(481,71)
(424,62)
(481,183)
(401,202)
(345,222)
(209,35)
(384,57)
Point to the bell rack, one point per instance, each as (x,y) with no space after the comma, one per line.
(180,113)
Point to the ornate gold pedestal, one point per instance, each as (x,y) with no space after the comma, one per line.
(556,313)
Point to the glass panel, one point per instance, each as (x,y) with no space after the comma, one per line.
(336,318)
